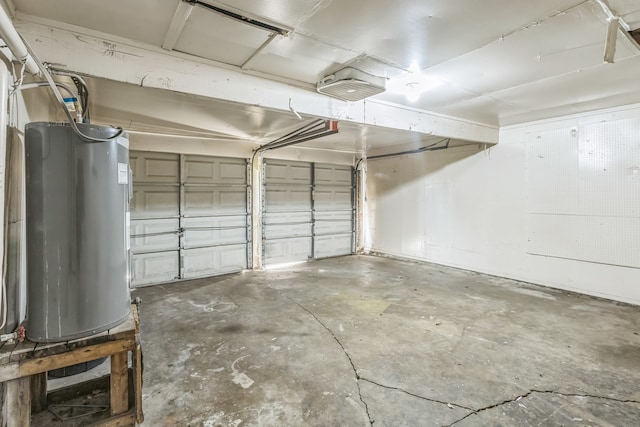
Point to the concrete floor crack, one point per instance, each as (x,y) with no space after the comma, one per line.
(534,391)
(593,396)
(449,404)
(486,408)
(353,366)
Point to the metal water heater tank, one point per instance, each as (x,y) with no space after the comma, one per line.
(78,195)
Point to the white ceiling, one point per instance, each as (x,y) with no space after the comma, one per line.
(497,62)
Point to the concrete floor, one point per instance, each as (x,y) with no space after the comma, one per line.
(362,340)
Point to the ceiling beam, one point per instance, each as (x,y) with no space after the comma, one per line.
(110,57)
(180,17)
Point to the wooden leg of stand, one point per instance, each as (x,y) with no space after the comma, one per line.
(119,383)
(137,381)
(38,392)
(16,408)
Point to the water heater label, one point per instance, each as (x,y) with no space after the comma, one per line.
(123,173)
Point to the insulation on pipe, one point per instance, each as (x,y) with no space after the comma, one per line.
(15,44)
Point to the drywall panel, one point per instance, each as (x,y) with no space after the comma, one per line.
(554,203)
(583,199)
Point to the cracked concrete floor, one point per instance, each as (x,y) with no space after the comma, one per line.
(363,340)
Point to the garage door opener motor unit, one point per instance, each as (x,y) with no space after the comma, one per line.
(350,84)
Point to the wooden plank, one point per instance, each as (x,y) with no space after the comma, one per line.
(86,341)
(16,407)
(129,327)
(136,317)
(45,349)
(137,382)
(127,419)
(119,383)
(38,392)
(35,366)
(5,352)
(23,350)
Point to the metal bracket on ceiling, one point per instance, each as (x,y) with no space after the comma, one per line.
(316,129)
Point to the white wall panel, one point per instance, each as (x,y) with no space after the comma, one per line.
(554,203)
(584,202)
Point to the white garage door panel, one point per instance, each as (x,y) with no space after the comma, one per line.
(155,202)
(212,231)
(282,231)
(287,173)
(304,199)
(289,218)
(215,201)
(154,268)
(154,235)
(332,198)
(291,224)
(333,224)
(210,170)
(154,167)
(287,212)
(205,262)
(332,175)
(333,211)
(189,216)
(333,245)
(287,250)
(287,199)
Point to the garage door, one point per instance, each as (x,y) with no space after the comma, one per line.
(188,216)
(307,211)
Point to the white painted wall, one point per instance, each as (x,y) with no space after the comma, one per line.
(556,203)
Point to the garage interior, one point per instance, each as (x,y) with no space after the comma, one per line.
(424,213)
